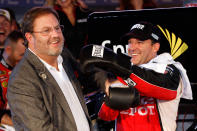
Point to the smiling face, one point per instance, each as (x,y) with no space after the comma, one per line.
(142,51)
(5,29)
(42,43)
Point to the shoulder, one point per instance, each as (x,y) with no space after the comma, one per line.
(67,55)
(28,66)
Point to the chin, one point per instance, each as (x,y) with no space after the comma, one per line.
(57,53)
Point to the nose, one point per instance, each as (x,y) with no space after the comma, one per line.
(132,46)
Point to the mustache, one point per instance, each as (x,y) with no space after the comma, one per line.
(56,39)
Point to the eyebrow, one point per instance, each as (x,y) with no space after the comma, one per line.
(50,26)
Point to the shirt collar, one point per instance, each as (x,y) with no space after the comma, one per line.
(59,61)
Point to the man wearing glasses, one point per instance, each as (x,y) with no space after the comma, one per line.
(43,92)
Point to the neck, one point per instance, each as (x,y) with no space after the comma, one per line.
(70,13)
(51,60)
(7,61)
(69,9)
(138,4)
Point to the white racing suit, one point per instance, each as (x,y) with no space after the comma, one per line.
(161,83)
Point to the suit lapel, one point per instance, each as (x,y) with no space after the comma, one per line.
(54,87)
(76,85)
(51,83)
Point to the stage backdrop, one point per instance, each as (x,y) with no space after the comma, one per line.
(21,6)
(177,25)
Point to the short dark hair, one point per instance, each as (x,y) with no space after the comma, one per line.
(13,37)
(31,15)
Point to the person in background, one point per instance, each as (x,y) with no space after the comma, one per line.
(73,15)
(5,27)
(160,81)
(15,24)
(13,52)
(189,3)
(137,4)
(44,93)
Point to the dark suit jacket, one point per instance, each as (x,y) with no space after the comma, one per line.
(35,99)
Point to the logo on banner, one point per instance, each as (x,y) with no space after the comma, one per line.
(177,46)
(115,48)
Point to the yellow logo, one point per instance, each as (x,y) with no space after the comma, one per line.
(177,46)
(2,72)
(4,84)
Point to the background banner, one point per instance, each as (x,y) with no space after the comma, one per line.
(178,26)
(20,6)
(88,2)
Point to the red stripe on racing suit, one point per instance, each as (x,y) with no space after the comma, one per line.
(152,86)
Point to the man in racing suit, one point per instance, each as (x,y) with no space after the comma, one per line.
(13,52)
(160,81)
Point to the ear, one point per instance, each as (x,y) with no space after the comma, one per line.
(29,38)
(156,47)
(8,50)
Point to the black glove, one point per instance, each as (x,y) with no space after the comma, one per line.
(98,76)
(105,58)
(122,98)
